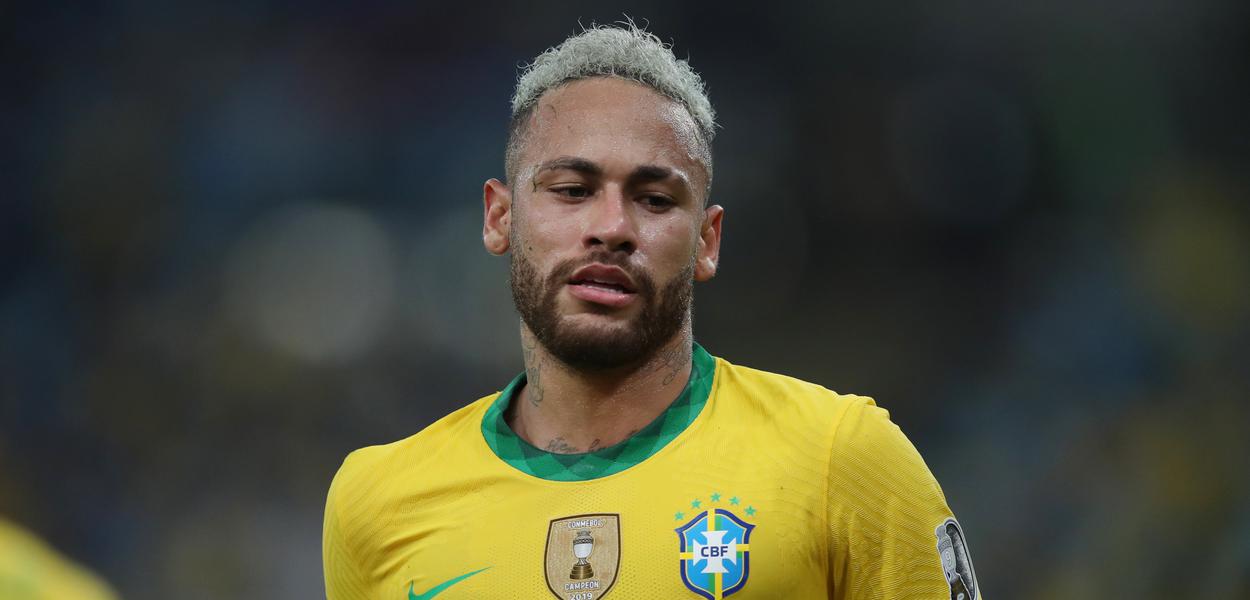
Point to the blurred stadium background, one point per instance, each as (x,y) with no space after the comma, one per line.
(240,239)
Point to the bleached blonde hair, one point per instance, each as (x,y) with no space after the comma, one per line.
(624,51)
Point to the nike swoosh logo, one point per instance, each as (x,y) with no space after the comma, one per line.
(442,587)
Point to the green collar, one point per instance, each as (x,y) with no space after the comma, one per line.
(605,461)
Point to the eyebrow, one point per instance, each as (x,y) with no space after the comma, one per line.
(569,163)
(641,174)
(650,173)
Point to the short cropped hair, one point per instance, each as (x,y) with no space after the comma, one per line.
(623,51)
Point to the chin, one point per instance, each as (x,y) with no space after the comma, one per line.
(596,330)
(593,320)
(598,347)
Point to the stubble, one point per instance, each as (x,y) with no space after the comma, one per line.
(665,311)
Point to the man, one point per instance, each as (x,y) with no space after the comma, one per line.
(626,460)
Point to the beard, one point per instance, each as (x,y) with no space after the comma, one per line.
(596,348)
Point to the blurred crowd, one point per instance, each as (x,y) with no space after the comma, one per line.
(239,240)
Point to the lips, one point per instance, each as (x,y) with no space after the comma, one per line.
(603,284)
(603,276)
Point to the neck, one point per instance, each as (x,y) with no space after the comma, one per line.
(567,411)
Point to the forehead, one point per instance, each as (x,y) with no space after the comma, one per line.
(613,122)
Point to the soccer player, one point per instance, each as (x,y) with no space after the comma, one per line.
(626,461)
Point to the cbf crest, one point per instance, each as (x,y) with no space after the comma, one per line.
(715,551)
(583,556)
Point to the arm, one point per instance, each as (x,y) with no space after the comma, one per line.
(888,518)
(343,577)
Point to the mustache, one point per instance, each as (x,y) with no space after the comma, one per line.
(561,273)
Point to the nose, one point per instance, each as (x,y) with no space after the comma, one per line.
(610,224)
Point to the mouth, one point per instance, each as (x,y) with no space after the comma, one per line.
(603,284)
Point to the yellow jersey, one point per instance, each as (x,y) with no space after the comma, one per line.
(32,570)
(751,485)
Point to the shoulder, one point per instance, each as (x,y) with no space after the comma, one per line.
(376,485)
(371,467)
(785,400)
(853,429)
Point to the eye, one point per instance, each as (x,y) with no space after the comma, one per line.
(572,191)
(657,202)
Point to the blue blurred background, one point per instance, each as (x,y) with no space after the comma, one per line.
(240,239)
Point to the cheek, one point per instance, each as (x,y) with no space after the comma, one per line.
(530,224)
(548,234)
(672,243)
(543,238)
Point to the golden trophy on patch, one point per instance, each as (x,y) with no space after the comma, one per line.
(583,545)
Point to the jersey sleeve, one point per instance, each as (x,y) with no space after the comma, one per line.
(30,568)
(343,574)
(888,517)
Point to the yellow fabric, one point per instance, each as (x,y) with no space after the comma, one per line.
(31,570)
(843,505)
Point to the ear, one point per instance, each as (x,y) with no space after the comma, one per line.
(496,217)
(708,254)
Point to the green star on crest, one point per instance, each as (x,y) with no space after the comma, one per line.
(714,497)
